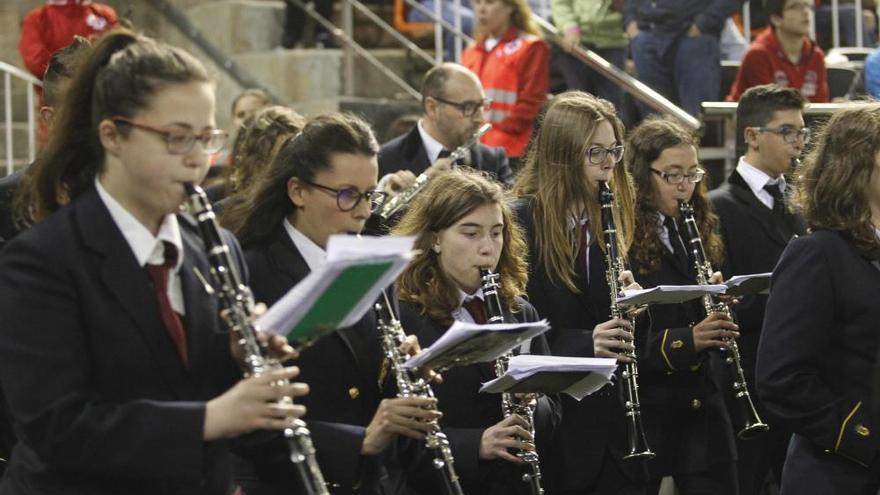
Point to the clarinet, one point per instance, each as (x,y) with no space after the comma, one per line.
(751,424)
(399,202)
(637,441)
(237,303)
(408,385)
(510,404)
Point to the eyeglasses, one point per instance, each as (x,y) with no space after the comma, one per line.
(347,199)
(467,108)
(678,177)
(597,154)
(180,141)
(791,135)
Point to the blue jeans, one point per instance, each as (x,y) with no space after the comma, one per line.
(581,77)
(685,70)
(467,22)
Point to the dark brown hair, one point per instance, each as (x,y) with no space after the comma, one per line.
(833,183)
(301,156)
(446,200)
(62,66)
(646,143)
(120,77)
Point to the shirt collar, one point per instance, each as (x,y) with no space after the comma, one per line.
(464,296)
(314,255)
(432,146)
(756,178)
(147,248)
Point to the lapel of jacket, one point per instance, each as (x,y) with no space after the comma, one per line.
(291,265)
(756,209)
(129,285)
(414,153)
(201,308)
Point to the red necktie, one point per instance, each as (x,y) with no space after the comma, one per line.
(159,275)
(477,309)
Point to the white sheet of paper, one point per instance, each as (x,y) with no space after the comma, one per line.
(461,331)
(668,294)
(525,365)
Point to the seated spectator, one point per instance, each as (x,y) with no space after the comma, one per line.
(245,105)
(784,54)
(676,48)
(872,74)
(512,62)
(597,25)
(295,26)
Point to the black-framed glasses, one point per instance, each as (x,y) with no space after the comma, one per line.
(467,108)
(180,141)
(597,154)
(678,177)
(791,135)
(347,199)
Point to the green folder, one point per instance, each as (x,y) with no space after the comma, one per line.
(337,301)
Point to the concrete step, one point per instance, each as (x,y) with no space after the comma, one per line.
(240,26)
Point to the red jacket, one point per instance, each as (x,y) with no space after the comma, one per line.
(51,27)
(766,63)
(516,76)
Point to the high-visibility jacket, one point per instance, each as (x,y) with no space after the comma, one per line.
(51,27)
(516,76)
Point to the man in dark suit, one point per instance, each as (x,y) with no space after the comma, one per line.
(453,101)
(756,225)
(61,67)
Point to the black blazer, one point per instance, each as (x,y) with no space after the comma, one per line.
(818,348)
(343,370)
(754,238)
(686,420)
(467,413)
(101,401)
(593,430)
(407,152)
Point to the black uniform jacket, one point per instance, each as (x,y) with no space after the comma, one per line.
(101,401)
(818,349)
(467,412)
(593,428)
(687,423)
(342,369)
(754,238)
(407,152)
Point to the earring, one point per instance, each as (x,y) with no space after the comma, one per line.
(436,248)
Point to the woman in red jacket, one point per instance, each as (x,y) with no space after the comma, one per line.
(512,62)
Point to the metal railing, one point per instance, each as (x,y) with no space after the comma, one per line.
(835,22)
(10,72)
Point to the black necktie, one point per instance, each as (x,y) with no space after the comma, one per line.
(678,249)
(444,153)
(778,198)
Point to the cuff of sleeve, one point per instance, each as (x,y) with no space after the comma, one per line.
(854,437)
(677,349)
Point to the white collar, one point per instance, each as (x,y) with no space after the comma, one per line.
(464,296)
(147,248)
(432,146)
(314,255)
(756,178)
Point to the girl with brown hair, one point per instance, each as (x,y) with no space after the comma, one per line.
(462,223)
(687,422)
(818,352)
(578,146)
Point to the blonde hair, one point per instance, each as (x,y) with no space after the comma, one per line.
(553,179)
(446,200)
(521,17)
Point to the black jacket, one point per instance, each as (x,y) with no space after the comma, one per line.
(407,152)
(818,348)
(467,412)
(593,430)
(685,416)
(8,187)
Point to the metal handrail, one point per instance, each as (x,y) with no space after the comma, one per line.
(628,83)
(309,8)
(835,22)
(10,71)
(180,20)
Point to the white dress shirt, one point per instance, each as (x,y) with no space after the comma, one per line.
(314,255)
(147,248)
(757,179)
(432,146)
